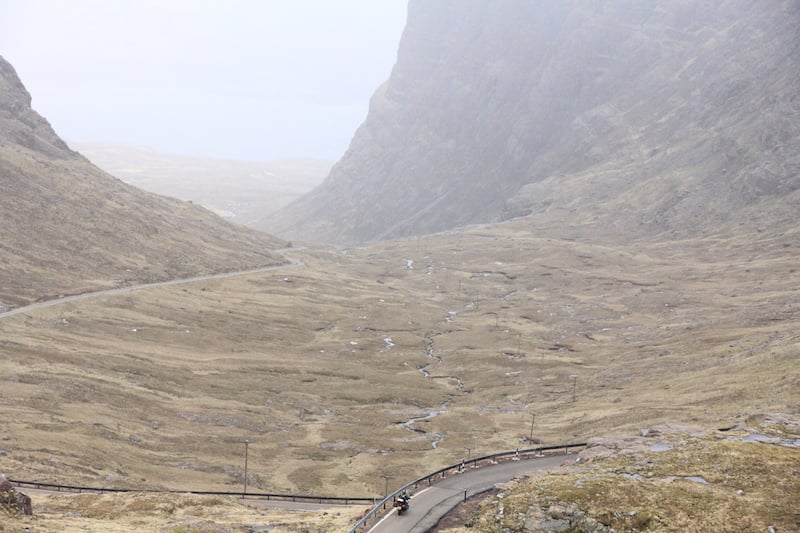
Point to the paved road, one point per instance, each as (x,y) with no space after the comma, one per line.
(429,505)
(134,288)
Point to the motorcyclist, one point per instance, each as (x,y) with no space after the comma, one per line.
(402,502)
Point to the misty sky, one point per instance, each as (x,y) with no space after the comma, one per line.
(240,79)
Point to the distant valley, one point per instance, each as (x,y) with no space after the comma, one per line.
(240,191)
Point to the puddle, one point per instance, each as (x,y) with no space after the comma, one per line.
(755,437)
(660,447)
(780,441)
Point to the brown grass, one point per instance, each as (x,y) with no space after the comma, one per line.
(126,513)
(161,387)
(749,487)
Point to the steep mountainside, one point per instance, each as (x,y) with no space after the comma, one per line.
(644,116)
(241,191)
(69,227)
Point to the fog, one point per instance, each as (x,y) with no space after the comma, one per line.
(245,79)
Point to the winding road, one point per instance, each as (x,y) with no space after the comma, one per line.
(133,288)
(430,504)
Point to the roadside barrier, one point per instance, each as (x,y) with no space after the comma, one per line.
(377,510)
(388,502)
(240,494)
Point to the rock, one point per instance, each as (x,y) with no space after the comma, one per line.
(13,501)
(561,518)
(496,110)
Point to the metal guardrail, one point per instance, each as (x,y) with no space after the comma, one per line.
(249,495)
(381,507)
(377,510)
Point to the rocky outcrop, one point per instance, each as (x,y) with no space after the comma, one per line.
(657,116)
(666,478)
(19,123)
(13,501)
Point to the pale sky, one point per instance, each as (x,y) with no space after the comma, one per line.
(237,79)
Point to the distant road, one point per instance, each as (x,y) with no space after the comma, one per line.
(429,505)
(133,288)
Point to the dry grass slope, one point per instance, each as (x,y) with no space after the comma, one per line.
(689,481)
(321,367)
(138,512)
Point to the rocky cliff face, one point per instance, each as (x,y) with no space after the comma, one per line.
(659,116)
(19,123)
(69,227)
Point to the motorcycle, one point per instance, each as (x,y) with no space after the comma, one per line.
(402,503)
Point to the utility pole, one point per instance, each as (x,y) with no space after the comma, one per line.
(246,443)
(533,420)
(386,487)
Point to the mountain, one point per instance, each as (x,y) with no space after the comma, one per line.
(668,117)
(240,191)
(69,227)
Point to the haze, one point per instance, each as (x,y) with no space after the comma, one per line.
(248,79)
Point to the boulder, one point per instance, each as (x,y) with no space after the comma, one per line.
(13,501)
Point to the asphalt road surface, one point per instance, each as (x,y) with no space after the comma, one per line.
(429,505)
(134,288)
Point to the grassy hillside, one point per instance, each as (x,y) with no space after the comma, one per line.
(240,191)
(672,479)
(68,227)
(349,366)
(320,365)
